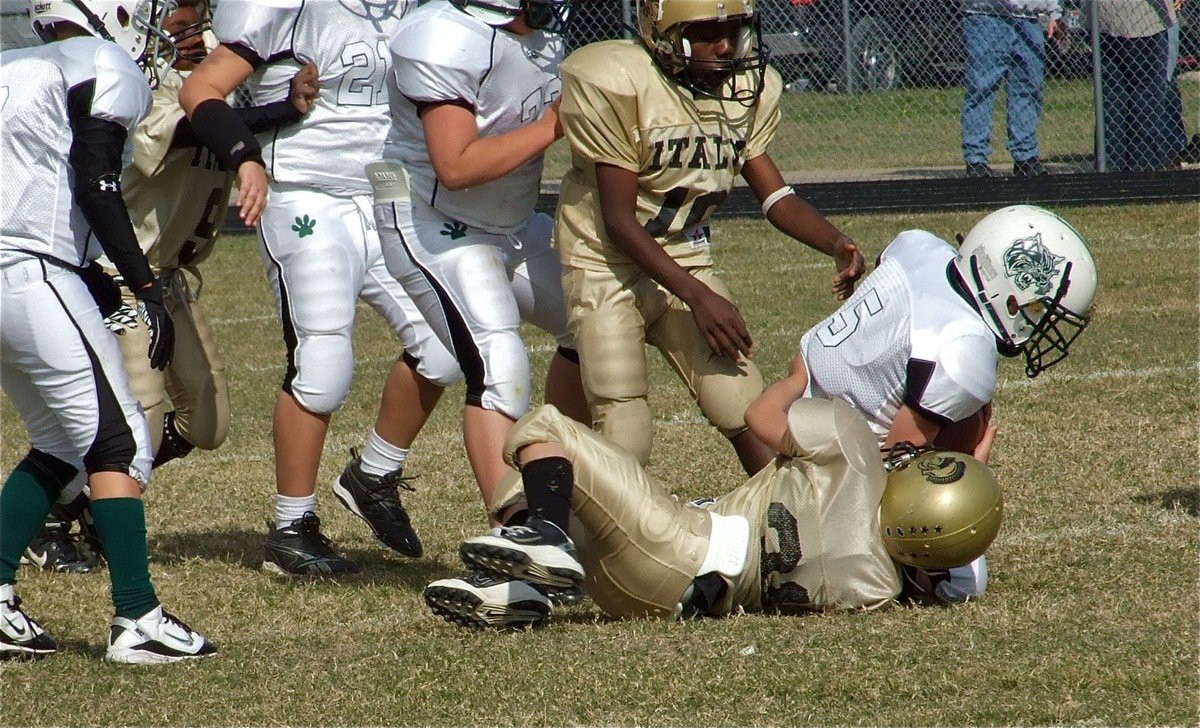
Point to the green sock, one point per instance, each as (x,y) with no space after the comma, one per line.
(121,524)
(26,499)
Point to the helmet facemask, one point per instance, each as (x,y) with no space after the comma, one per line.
(552,16)
(1052,328)
(182,38)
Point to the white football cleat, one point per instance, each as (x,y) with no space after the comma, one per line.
(484,600)
(537,552)
(155,638)
(20,636)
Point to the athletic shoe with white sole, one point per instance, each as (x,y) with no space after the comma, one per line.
(155,638)
(20,636)
(376,500)
(55,548)
(486,601)
(537,552)
(302,550)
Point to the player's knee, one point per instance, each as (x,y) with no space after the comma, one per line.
(52,471)
(435,363)
(504,383)
(324,370)
(724,399)
(627,423)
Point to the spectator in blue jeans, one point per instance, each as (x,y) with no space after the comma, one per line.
(1136,83)
(1005,40)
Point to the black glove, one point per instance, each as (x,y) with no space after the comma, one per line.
(158,325)
(105,291)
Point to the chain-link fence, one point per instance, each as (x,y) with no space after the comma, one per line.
(919,89)
(903,89)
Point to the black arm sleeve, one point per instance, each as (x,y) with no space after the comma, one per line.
(95,157)
(219,128)
(256,118)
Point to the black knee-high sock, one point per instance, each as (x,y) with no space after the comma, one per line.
(548,485)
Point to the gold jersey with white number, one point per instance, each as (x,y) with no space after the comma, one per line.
(618,108)
(177,198)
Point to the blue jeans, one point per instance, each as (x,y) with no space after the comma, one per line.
(1137,102)
(999,49)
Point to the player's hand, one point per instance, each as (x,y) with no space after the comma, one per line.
(984,449)
(159,326)
(850,266)
(252,192)
(721,323)
(305,86)
(105,291)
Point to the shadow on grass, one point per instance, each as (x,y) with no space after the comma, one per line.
(244,548)
(1185,499)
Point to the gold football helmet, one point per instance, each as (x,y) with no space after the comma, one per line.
(940,509)
(662,25)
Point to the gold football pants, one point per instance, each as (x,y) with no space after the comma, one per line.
(613,315)
(639,545)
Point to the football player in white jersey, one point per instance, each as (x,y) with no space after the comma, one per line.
(474,94)
(808,532)
(916,348)
(68,108)
(321,252)
(659,128)
(177,194)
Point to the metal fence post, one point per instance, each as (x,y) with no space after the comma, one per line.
(1097,85)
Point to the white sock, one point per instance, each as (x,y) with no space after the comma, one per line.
(381,457)
(288,509)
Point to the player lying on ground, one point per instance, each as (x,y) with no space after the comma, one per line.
(804,534)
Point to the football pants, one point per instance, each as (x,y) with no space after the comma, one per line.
(321,254)
(613,315)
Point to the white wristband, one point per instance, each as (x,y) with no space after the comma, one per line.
(776,196)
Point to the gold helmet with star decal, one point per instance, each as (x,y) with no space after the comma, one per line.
(940,509)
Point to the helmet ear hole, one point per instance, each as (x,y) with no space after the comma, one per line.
(123,16)
(1012,305)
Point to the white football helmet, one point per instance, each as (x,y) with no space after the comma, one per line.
(552,16)
(1033,278)
(663,23)
(135,25)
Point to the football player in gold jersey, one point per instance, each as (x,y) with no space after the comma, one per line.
(821,527)
(659,128)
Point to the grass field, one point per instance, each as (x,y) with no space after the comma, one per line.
(1091,616)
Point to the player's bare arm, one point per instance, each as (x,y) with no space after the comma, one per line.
(718,319)
(461,158)
(798,219)
(221,129)
(767,416)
